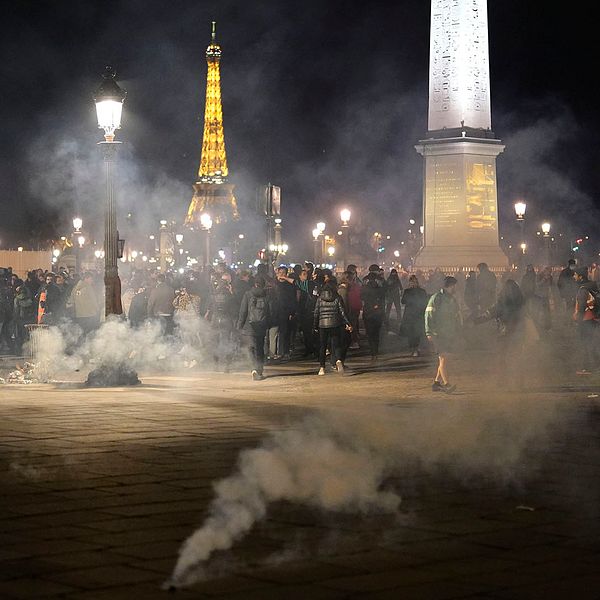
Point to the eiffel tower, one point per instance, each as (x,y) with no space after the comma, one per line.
(212,193)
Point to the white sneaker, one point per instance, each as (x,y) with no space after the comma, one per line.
(340,366)
(321,371)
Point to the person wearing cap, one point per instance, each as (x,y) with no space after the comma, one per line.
(442,326)
(585,316)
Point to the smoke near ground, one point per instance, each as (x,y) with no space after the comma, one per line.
(346,462)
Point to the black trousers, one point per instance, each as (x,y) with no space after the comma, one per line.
(373,326)
(257,349)
(329,336)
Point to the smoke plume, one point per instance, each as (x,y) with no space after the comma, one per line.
(341,462)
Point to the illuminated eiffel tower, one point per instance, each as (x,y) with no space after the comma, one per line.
(212,193)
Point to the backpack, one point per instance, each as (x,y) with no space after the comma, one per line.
(257,310)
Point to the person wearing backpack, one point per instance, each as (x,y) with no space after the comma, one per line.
(587,315)
(253,322)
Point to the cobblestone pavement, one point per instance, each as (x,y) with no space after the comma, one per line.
(101,486)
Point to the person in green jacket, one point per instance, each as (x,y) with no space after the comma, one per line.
(442,326)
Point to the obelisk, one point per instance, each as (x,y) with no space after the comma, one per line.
(460,207)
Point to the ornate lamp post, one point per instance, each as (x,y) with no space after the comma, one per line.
(546,232)
(345,215)
(77,225)
(207,223)
(321,237)
(520,208)
(109,100)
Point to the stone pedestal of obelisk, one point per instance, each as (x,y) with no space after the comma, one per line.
(460,206)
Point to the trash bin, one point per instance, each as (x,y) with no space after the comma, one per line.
(37,335)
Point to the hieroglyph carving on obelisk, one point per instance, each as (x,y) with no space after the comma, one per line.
(460,206)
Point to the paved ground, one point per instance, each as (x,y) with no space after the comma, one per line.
(100,487)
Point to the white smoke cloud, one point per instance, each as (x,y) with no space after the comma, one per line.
(340,462)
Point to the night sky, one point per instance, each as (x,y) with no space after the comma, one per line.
(324,98)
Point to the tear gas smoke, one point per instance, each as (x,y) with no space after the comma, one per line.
(62,349)
(341,463)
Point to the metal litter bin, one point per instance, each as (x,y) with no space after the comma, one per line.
(37,337)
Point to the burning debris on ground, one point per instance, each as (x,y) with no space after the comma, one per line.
(22,374)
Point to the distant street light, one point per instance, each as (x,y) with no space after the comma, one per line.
(345,215)
(546,228)
(207,223)
(321,227)
(77,224)
(109,100)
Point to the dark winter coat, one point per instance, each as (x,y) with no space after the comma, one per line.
(24,307)
(243,323)
(160,300)
(373,298)
(414,300)
(329,310)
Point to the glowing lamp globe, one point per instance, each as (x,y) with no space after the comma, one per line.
(315,233)
(206,221)
(179,237)
(77,223)
(546,228)
(321,227)
(109,100)
(345,215)
(331,250)
(520,208)
(81,241)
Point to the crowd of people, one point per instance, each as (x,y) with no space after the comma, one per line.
(306,311)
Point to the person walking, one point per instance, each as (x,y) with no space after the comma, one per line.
(486,287)
(393,293)
(160,304)
(329,316)
(567,287)
(509,313)
(373,299)
(221,315)
(586,315)
(442,326)
(253,323)
(415,300)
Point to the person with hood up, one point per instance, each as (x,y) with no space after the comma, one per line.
(329,316)
(253,323)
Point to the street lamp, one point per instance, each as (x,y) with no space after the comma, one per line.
(321,227)
(77,224)
(546,231)
(520,208)
(206,222)
(523,247)
(109,100)
(345,215)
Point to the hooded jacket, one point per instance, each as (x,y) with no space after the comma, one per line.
(243,323)
(329,310)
